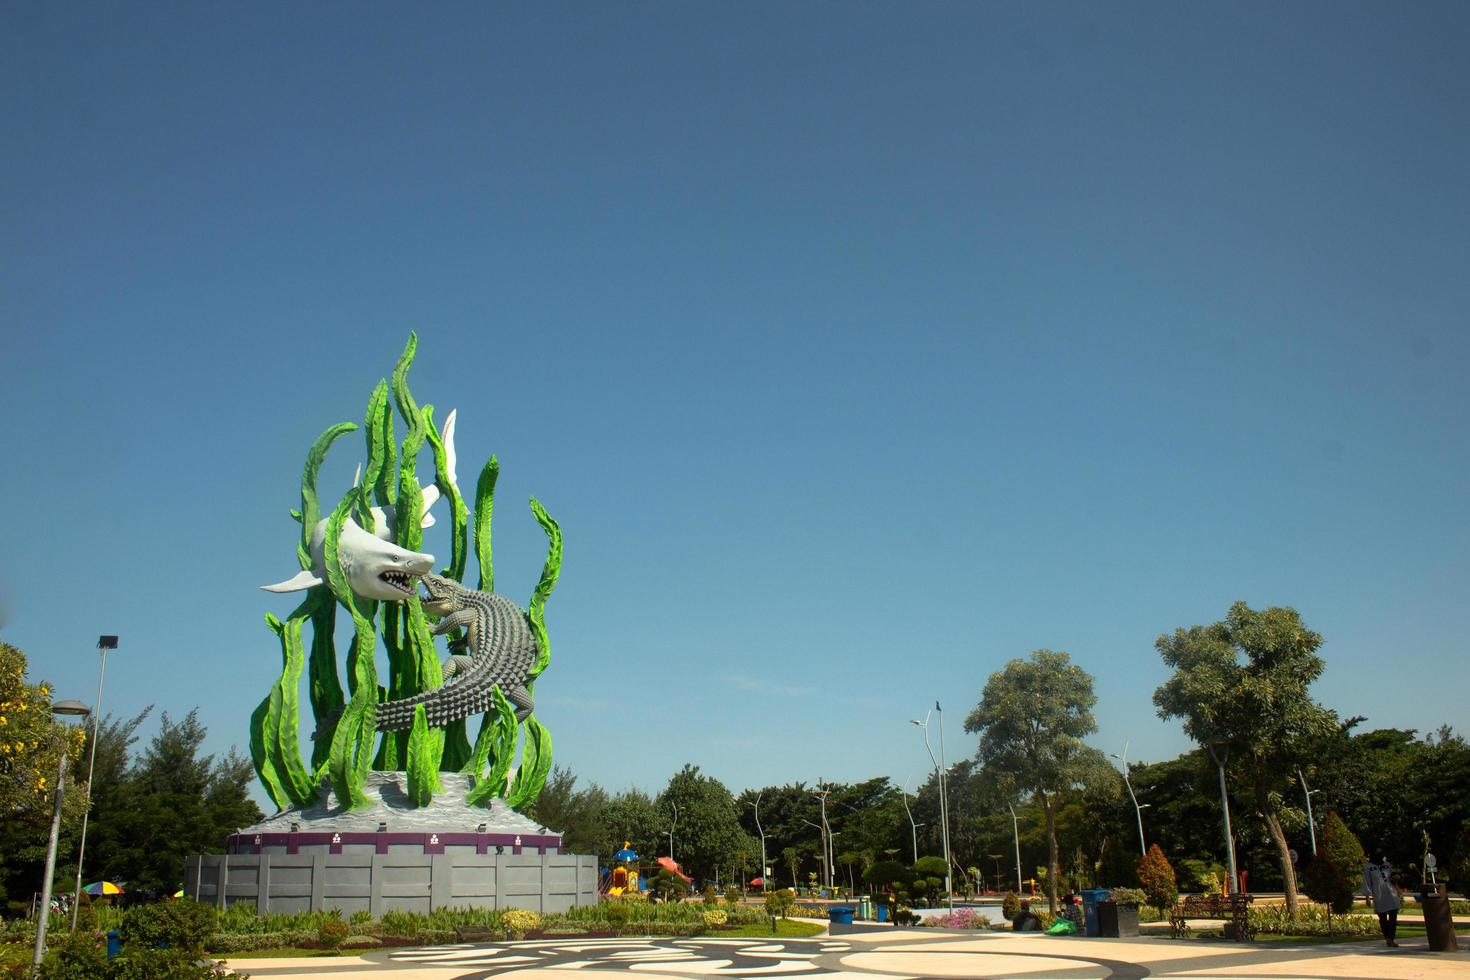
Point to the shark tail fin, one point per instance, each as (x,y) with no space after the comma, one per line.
(302,580)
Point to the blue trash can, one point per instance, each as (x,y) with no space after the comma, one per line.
(1091,899)
(882,909)
(114,944)
(840,915)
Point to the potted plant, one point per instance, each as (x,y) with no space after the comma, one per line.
(1118,916)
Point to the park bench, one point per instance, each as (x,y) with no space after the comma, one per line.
(1231,907)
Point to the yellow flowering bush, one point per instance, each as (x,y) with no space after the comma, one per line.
(31,742)
(518,922)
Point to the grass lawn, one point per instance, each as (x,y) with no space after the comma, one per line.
(282,953)
(789,928)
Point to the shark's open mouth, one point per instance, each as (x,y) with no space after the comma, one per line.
(402,581)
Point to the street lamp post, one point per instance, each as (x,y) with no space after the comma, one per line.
(943,802)
(43,918)
(1220,752)
(1311,827)
(996,858)
(1016,829)
(821,795)
(670,832)
(764,870)
(104,643)
(912,826)
(1137,810)
(822,843)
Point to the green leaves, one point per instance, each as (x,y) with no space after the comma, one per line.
(423,760)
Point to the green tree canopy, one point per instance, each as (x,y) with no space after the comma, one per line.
(1031,720)
(1240,685)
(708,835)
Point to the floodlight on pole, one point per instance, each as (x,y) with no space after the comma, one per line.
(104,643)
(43,919)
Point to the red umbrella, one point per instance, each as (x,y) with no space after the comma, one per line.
(757,882)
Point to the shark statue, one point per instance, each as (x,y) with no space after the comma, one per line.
(375,567)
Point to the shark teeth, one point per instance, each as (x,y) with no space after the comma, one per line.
(401,581)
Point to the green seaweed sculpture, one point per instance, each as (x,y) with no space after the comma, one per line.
(347,743)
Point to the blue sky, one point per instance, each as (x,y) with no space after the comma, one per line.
(857,348)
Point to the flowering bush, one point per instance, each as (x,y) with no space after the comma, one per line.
(715,917)
(518,922)
(960,919)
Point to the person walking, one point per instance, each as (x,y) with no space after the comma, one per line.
(1379,886)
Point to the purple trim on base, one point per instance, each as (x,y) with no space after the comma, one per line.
(432,843)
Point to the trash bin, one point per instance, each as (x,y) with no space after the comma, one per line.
(114,944)
(882,912)
(865,908)
(840,915)
(1117,920)
(1439,925)
(1091,898)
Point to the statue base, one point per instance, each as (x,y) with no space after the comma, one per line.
(393,855)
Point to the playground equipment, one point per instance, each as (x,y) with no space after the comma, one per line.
(625,875)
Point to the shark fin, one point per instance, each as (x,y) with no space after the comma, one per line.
(302,580)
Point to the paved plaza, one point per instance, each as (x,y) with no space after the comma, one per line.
(899,954)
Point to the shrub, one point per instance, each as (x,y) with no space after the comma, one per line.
(359,918)
(1129,896)
(1311,920)
(714,917)
(1334,874)
(779,902)
(164,964)
(225,943)
(75,956)
(1157,877)
(733,895)
(518,922)
(333,933)
(709,894)
(1010,905)
(618,914)
(962,918)
(180,924)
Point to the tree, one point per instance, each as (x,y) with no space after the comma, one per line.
(1156,876)
(31,743)
(31,748)
(708,834)
(1241,687)
(1031,720)
(1334,875)
(173,803)
(632,817)
(578,815)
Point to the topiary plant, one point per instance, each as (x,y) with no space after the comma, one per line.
(1010,905)
(1156,875)
(1334,874)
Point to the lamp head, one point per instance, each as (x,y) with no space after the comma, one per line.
(70,708)
(107,643)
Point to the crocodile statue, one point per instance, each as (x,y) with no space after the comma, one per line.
(503,652)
